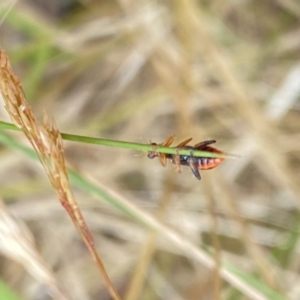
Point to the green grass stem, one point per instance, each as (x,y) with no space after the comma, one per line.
(128,145)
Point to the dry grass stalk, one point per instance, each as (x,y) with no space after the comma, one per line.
(47,142)
(17,243)
(149,248)
(211,203)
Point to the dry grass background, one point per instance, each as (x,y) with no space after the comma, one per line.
(139,71)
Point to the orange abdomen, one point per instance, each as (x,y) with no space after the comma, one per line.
(206,163)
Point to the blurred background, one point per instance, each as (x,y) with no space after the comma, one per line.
(142,71)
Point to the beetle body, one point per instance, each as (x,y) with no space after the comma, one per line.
(195,163)
(203,163)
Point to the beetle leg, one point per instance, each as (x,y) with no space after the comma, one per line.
(193,162)
(163,159)
(177,162)
(163,156)
(204,144)
(168,141)
(176,157)
(184,143)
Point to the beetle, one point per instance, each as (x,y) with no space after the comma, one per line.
(195,163)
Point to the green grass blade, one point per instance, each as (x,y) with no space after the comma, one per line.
(25,23)
(41,61)
(253,282)
(6,293)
